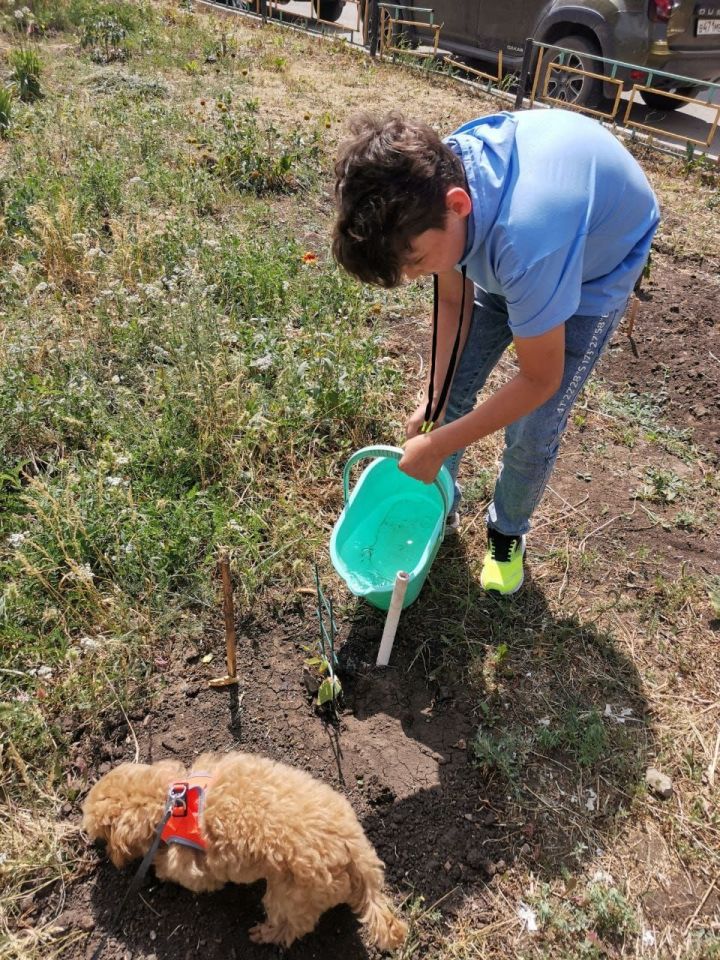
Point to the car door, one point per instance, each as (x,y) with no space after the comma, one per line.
(505,26)
(459,19)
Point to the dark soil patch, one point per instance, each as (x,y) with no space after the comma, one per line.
(398,749)
(674,359)
(676,355)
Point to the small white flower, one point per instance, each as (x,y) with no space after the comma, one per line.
(122,460)
(15,539)
(648,938)
(89,643)
(44,671)
(262,363)
(83,573)
(113,481)
(528,917)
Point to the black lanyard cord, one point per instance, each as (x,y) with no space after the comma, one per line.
(430,419)
(433,354)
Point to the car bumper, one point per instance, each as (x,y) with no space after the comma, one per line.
(695,64)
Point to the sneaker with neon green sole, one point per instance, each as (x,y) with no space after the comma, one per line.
(503,565)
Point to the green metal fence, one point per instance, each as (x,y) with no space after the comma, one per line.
(381,26)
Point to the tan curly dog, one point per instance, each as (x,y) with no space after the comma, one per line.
(261,820)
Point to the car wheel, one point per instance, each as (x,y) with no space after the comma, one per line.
(330,9)
(574,87)
(401,36)
(660,102)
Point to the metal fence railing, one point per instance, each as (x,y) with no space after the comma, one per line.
(274,10)
(396,30)
(396,18)
(613,73)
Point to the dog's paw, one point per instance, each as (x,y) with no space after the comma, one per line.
(264,933)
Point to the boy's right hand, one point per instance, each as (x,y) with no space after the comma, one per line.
(415,421)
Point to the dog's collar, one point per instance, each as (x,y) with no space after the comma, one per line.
(186,802)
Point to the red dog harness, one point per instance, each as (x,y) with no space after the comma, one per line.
(186,799)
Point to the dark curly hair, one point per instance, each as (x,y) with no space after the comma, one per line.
(392,177)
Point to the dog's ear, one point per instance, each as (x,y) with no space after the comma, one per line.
(99,816)
(131,835)
(105,802)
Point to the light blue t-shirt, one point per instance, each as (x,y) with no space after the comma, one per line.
(562,219)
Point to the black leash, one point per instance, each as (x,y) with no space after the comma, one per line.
(139,876)
(430,418)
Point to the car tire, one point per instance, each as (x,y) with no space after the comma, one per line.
(329,9)
(573,88)
(401,36)
(658,101)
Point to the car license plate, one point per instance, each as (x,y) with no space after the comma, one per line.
(707,27)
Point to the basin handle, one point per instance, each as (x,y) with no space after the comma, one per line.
(393,453)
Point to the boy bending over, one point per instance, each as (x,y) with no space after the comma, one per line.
(536,226)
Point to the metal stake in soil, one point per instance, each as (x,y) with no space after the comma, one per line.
(230,679)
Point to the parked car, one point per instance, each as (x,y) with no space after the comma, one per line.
(325,9)
(678,36)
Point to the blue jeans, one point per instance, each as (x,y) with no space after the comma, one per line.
(532,442)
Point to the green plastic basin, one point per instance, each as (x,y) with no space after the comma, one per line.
(390,522)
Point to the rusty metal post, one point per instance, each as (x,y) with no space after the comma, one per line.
(230,678)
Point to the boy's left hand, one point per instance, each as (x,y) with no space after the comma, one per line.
(421,458)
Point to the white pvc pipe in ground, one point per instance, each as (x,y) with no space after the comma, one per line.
(393,616)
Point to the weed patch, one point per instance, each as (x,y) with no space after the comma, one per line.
(26,69)
(254,155)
